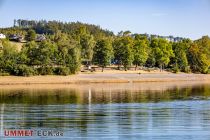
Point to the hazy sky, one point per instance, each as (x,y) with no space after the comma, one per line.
(185,18)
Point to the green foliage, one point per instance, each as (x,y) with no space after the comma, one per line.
(4,74)
(103,53)
(70,44)
(87,43)
(13,30)
(31,35)
(180,60)
(123,51)
(162,50)
(199,55)
(151,61)
(175,69)
(39,53)
(140,51)
(73,60)
(1,46)
(8,57)
(24,70)
(45,70)
(62,71)
(51,27)
(69,53)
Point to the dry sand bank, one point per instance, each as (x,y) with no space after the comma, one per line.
(87,78)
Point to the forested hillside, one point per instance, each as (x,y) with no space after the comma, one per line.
(53,47)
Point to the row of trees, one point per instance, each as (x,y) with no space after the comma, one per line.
(65,50)
(40,58)
(51,27)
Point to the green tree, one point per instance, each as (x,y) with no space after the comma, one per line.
(199,55)
(31,35)
(140,51)
(180,61)
(87,43)
(162,51)
(28,54)
(103,53)
(8,55)
(123,51)
(69,53)
(40,55)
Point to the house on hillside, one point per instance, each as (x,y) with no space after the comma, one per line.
(16,37)
(13,37)
(40,38)
(2,36)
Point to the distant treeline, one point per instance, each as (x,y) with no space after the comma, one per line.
(51,27)
(68,45)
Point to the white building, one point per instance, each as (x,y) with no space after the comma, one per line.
(2,36)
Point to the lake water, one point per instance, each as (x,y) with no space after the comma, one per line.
(106,112)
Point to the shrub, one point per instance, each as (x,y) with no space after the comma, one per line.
(24,70)
(209,71)
(4,74)
(62,71)
(175,69)
(45,70)
(187,69)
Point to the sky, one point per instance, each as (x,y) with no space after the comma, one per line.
(183,18)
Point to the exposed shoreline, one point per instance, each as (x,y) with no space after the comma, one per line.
(106,77)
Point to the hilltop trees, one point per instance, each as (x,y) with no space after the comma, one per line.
(51,27)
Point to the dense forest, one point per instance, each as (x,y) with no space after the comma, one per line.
(67,46)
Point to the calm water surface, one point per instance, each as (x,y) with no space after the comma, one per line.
(178,113)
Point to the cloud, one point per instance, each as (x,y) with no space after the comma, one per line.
(159,14)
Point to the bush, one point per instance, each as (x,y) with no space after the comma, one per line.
(187,69)
(62,71)
(45,70)
(4,74)
(24,70)
(209,71)
(175,69)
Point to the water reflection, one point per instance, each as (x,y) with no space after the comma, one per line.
(2,120)
(177,113)
(93,96)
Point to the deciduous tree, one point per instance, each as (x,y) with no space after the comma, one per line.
(103,53)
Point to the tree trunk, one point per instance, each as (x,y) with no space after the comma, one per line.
(125,68)
(136,67)
(102,70)
(161,67)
